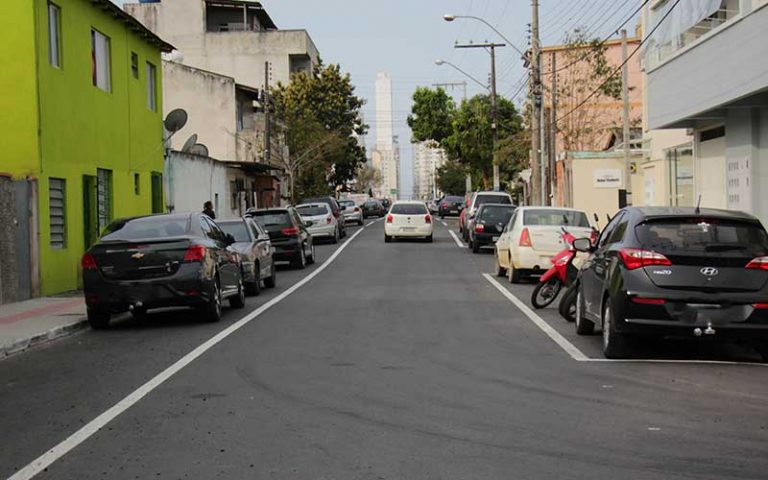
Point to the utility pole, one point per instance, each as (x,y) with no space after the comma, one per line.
(267,132)
(553,132)
(494,112)
(537,192)
(625,118)
(451,85)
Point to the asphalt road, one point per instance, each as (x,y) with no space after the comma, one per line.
(396,361)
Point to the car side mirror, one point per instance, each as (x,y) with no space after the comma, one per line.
(583,245)
(230,239)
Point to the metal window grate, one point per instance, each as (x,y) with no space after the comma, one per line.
(56,211)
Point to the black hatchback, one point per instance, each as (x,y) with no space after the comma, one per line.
(289,235)
(141,263)
(488,223)
(675,271)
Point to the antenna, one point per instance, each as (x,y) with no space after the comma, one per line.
(175,120)
(199,149)
(698,206)
(189,143)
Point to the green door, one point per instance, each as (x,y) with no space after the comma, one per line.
(90,223)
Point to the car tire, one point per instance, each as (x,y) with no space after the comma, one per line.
(387,238)
(98,320)
(271,280)
(254,288)
(567,306)
(500,271)
(238,300)
(430,239)
(475,247)
(311,257)
(359,223)
(583,326)
(212,309)
(614,343)
(300,262)
(513,274)
(336,236)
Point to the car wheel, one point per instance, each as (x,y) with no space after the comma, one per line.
(475,247)
(500,271)
(359,223)
(513,274)
(567,307)
(238,300)
(336,236)
(614,343)
(98,320)
(546,292)
(430,239)
(300,261)
(583,326)
(271,280)
(213,309)
(311,257)
(254,288)
(387,238)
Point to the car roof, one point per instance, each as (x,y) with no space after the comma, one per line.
(230,220)
(491,192)
(407,202)
(505,205)
(314,204)
(567,209)
(650,212)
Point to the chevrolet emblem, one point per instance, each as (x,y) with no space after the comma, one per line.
(137,255)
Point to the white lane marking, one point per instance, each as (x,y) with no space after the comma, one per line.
(46,459)
(569,348)
(371,223)
(456,238)
(444,224)
(578,355)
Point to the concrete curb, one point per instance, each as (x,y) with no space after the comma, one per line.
(60,331)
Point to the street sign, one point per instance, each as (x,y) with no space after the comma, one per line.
(393,191)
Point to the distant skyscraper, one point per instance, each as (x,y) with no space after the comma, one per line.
(427,158)
(386,155)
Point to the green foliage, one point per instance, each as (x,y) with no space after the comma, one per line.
(451,178)
(431,115)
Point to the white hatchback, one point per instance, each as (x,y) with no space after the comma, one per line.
(408,219)
(533,236)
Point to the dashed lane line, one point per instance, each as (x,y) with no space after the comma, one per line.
(456,239)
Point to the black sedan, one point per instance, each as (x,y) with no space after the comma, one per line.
(450,205)
(161,261)
(675,271)
(288,233)
(255,248)
(373,208)
(488,223)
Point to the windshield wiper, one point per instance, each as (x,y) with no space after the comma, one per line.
(723,247)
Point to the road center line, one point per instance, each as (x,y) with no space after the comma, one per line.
(444,224)
(569,348)
(80,436)
(456,238)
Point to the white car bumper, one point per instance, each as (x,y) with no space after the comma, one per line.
(526,258)
(328,230)
(353,217)
(408,230)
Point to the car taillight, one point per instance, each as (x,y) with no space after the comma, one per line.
(525,238)
(759,263)
(195,253)
(635,258)
(328,219)
(290,231)
(88,262)
(389,218)
(760,306)
(648,301)
(428,218)
(479,228)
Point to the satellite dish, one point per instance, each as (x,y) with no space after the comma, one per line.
(189,143)
(176,120)
(199,149)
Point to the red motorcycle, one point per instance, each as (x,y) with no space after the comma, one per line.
(561,273)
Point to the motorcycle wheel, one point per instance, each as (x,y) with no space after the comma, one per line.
(545,293)
(567,307)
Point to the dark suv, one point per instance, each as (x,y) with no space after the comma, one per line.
(288,234)
(489,222)
(675,271)
(335,209)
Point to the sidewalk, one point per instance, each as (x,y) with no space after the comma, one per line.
(32,322)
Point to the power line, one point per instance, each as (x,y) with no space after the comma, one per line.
(618,69)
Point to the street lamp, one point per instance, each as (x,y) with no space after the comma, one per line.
(450,17)
(440,62)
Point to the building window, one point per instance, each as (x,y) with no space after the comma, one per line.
(136,183)
(135,65)
(680,166)
(56,211)
(54,35)
(157,192)
(151,87)
(103,198)
(100,56)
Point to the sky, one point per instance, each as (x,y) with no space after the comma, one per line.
(405,37)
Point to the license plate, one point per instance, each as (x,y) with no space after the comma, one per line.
(408,229)
(496,238)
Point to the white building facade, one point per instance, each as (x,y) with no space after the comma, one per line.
(386,154)
(427,158)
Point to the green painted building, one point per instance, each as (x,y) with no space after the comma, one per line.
(81,133)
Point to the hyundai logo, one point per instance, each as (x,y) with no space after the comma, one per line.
(709,271)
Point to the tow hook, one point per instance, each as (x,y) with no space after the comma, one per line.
(697,332)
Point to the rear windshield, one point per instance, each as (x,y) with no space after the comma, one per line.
(146,227)
(481,199)
(555,218)
(702,235)
(311,211)
(496,214)
(272,219)
(371,204)
(453,199)
(409,209)
(347,203)
(237,230)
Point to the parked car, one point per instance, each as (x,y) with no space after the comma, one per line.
(373,208)
(408,219)
(474,202)
(385,203)
(489,222)
(450,205)
(533,236)
(675,271)
(289,235)
(320,221)
(174,260)
(255,248)
(352,211)
(434,206)
(336,209)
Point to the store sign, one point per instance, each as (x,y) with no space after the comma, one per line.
(608,178)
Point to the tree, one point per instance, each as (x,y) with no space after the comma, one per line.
(319,114)
(451,177)
(367,179)
(431,115)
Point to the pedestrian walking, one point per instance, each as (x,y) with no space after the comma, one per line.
(208,209)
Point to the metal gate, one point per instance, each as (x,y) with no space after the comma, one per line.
(18,210)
